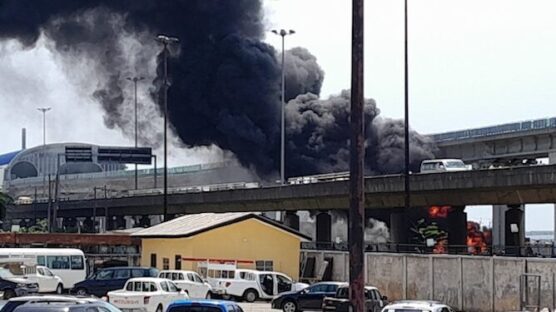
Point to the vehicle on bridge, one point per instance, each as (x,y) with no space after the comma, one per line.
(443,165)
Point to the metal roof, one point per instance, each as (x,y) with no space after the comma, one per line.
(5,159)
(190,225)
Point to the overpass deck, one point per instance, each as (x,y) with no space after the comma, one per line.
(533,184)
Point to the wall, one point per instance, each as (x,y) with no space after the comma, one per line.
(246,240)
(467,283)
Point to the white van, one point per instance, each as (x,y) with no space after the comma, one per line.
(443,165)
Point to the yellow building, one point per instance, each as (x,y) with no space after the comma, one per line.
(256,241)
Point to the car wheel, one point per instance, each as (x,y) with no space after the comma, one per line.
(81,292)
(159,308)
(59,289)
(289,306)
(250,295)
(8,294)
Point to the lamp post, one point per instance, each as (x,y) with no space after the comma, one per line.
(135,80)
(407,197)
(283,33)
(165,41)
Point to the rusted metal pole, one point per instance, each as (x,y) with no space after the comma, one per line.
(357,154)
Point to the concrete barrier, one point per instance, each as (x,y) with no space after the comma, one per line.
(467,283)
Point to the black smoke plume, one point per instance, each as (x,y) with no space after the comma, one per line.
(225,82)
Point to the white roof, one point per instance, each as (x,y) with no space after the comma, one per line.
(40,251)
(415,304)
(175,271)
(190,225)
(147,279)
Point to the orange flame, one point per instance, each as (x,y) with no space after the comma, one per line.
(476,239)
(439,211)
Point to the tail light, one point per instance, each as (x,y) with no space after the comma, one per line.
(228,284)
(146,300)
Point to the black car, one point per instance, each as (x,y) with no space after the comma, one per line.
(105,280)
(374,301)
(309,298)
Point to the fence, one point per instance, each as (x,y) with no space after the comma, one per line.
(467,283)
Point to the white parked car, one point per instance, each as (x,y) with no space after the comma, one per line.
(146,294)
(48,281)
(443,165)
(417,305)
(189,282)
(252,285)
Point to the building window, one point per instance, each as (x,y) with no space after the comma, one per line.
(153,260)
(165,264)
(177,265)
(264,265)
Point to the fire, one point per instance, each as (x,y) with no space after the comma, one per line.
(439,211)
(440,247)
(477,242)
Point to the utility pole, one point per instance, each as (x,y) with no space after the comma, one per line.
(135,80)
(43,110)
(357,155)
(407,197)
(165,40)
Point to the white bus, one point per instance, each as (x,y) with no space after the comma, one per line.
(67,263)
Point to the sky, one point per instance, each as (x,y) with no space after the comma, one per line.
(471,64)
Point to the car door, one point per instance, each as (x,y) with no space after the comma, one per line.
(311,298)
(202,288)
(173,293)
(100,285)
(120,278)
(50,280)
(283,283)
(42,279)
(190,285)
(267,284)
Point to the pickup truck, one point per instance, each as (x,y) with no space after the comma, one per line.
(251,285)
(374,301)
(189,282)
(146,294)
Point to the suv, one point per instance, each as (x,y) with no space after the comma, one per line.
(105,280)
(16,285)
(374,301)
(204,306)
(309,298)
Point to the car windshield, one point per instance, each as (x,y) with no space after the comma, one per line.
(455,164)
(342,292)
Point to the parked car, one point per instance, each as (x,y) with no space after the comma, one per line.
(147,293)
(309,298)
(48,281)
(190,282)
(443,165)
(374,301)
(105,280)
(96,306)
(12,285)
(251,285)
(13,303)
(204,306)
(417,305)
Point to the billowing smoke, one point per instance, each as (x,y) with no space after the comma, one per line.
(225,82)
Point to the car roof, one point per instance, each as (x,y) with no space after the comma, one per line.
(366,287)
(419,304)
(123,268)
(147,279)
(176,271)
(330,283)
(54,297)
(56,306)
(202,302)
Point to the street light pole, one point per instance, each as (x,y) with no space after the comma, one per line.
(407,197)
(135,80)
(283,33)
(165,40)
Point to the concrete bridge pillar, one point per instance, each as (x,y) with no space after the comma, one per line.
(399,226)
(457,226)
(508,227)
(552,161)
(291,219)
(324,227)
